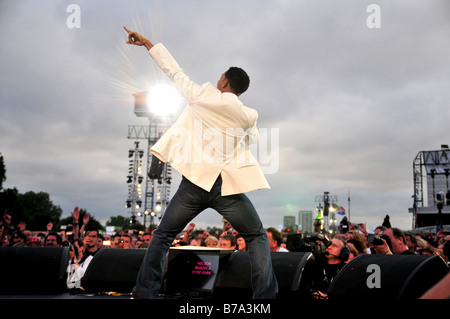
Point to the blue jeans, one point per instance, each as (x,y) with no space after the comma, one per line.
(186,204)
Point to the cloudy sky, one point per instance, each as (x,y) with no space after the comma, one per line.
(353,104)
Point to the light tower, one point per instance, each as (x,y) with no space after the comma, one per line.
(327,199)
(159,107)
(134,180)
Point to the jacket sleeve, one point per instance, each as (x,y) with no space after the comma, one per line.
(252,136)
(165,61)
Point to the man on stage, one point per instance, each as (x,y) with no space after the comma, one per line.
(207,146)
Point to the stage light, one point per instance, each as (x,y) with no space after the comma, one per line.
(440,197)
(163,100)
(158,207)
(138,204)
(130,153)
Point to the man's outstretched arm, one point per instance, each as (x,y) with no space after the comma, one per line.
(137,39)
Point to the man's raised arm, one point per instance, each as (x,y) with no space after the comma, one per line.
(137,39)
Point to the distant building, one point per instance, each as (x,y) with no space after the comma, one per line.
(305,220)
(289,221)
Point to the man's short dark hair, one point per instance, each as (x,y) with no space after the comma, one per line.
(276,235)
(231,238)
(92,230)
(238,79)
(54,233)
(398,233)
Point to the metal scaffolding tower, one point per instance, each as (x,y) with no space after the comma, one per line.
(156,194)
(434,167)
(327,199)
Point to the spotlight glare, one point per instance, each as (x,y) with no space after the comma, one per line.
(163,100)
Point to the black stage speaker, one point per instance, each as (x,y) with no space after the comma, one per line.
(33,270)
(387,277)
(235,278)
(292,271)
(194,271)
(113,270)
(156,168)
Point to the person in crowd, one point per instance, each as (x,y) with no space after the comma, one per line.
(356,238)
(363,229)
(430,251)
(178,243)
(386,222)
(74,272)
(115,240)
(353,251)
(18,239)
(187,235)
(147,237)
(53,239)
(398,241)
(197,240)
(125,241)
(445,248)
(379,229)
(5,223)
(411,242)
(78,266)
(440,237)
(35,242)
(211,242)
(356,247)
(77,230)
(41,236)
(421,244)
(241,242)
(275,240)
(226,225)
(100,239)
(80,248)
(29,236)
(328,265)
(317,224)
(90,244)
(228,242)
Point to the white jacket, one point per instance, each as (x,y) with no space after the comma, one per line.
(210,136)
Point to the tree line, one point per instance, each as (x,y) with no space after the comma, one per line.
(36,209)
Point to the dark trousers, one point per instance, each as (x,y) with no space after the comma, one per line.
(187,203)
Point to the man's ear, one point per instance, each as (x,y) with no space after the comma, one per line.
(226,83)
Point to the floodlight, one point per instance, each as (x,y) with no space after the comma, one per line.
(163,100)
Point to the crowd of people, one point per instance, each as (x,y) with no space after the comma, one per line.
(331,251)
